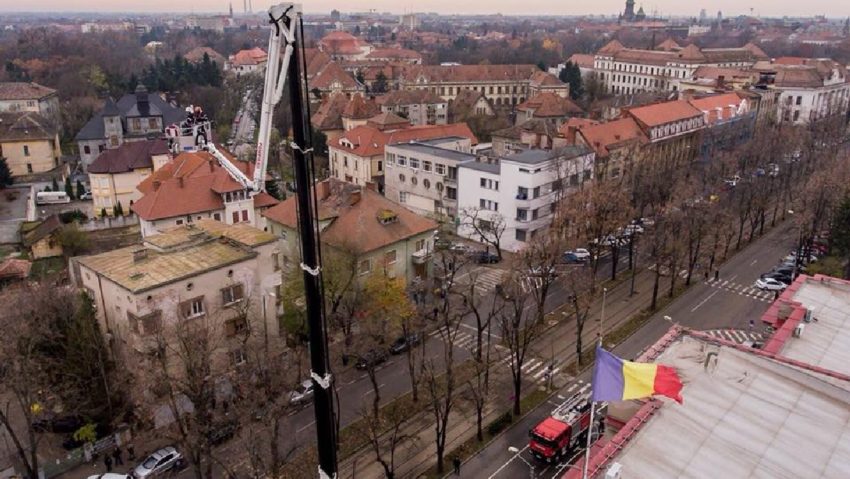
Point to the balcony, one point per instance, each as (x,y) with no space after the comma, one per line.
(421,257)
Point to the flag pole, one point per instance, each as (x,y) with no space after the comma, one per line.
(592,403)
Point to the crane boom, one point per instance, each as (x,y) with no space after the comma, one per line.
(276,70)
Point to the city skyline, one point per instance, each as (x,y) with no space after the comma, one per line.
(830,8)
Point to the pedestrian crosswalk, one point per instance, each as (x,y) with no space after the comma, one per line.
(743,290)
(735,335)
(485,279)
(466,339)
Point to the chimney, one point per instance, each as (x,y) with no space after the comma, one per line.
(142,99)
(156,184)
(139,255)
(180,181)
(354,198)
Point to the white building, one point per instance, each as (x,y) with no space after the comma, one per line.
(519,191)
(810,90)
(423,175)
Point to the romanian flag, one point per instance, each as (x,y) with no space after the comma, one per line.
(615,379)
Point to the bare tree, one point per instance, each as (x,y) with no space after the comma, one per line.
(386,434)
(486,226)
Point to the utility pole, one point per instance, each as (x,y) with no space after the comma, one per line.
(304,180)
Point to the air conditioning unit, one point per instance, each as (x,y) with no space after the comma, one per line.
(798,331)
(615,471)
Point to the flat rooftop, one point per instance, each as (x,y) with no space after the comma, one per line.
(746,414)
(482,165)
(434,151)
(535,156)
(177,254)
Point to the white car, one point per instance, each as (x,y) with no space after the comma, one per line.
(163,460)
(632,229)
(86,196)
(303,394)
(770,284)
(580,253)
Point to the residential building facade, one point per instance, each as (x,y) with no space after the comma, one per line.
(32,97)
(810,89)
(247,62)
(193,187)
(382,236)
(422,176)
(116,174)
(673,130)
(133,117)
(205,275)
(421,107)
(29,143)
(518,194)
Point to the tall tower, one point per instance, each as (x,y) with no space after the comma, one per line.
(231,9)
(245,6)
(629,14)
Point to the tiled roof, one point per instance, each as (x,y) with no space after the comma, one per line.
(463,103)
(254,56)
(25,126)
(668,45)
(316,61)
(13,268)
(388,121)
(342,43)
(605,137)
(190,183)
(544,79)
(728,74)
(43,230)
(354,213)
(582,60)
(664,112)
(534,125)
(611,48)
(727,103)
(126,106)
(470,73)
(329,114)
(128,157)
(24,91)
(806,77)
(332,73)
(691,53)
(359,108)
(409,97)
(370,141)
(196,55)
(550,105)
(189,250)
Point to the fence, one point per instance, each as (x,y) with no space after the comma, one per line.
(108,222)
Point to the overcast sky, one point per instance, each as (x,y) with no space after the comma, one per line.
(831,8)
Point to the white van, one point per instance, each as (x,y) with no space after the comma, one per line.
(51,197)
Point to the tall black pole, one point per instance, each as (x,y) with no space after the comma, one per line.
(323,398)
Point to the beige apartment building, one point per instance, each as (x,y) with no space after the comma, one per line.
(32,97)
(29,143)
(208,274)
(116,174)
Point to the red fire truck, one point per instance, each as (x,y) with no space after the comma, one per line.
(564,432)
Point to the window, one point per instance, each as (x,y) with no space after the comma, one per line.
(401,160)
(521,214)
(345,161)
(380,165)
(489,184)
(193,308)
(414,163)
(217,216)
(520,235)
(244,215)
(29,167)
(440,168)
(537,192)
(426,165)
(401,177)
(402,197)
(524,170)
(420,245)
(87,149)
(451,193)
(137,124)
(152,123)
(232,294)
(235,326)
(365,267)
(488,205)
(414,180)
(145,325)
(237,356)
(426,183)
(574,179)
(587,174)
(799,100)
(390,159)
(235,216)
(796,115)
(26,150)
(439,186)
(390,257)
(521,193)
(452,172)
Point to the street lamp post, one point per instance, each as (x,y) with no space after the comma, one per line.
(518,454)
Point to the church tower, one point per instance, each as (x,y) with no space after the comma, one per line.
(629,14)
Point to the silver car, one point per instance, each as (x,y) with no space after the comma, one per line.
(303,394)
(159,462)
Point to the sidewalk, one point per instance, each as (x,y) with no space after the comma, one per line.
(415,458)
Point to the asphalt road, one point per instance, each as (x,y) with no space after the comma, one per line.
(723,307)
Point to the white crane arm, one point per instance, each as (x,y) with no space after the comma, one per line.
(275,80)
(225,163)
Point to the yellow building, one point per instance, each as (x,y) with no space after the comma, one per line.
(41,239)
(29,143)
(116,173)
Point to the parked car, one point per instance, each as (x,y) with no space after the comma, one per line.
(442,244)
(570,257)
(732,182)
(646,221)
(485,257)
(303,394)
(459,248)
(770,284)
(371,358)
(159,462)
(539,271)
(223,432)
(633,229)
(784,278)
(111,475)
(86,196)
(404,343)
(580,253)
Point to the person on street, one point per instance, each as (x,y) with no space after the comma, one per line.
(456,465)
(716,275)
(116,456)
(107,461)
